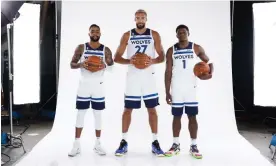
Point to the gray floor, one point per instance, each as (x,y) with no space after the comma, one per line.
(257,136)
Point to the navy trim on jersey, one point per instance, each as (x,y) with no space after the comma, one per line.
(88,47)
(94,53)
(134,33)
(184,52)
(140,38)
(177,48)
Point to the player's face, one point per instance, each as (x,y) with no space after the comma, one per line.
(182,34)
(140,19)
(94,34)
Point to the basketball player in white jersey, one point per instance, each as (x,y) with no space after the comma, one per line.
(140,83)
(91,86)
(180,83)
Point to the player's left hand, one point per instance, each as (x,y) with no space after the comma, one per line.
(205,77)
(148,62)
(95,67)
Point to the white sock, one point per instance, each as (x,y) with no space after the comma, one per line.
(193,141)
(154,136)
(125,136)
(176,140)
(76,143)
(98,141)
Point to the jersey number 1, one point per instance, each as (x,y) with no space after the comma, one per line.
(144,47)
(184,64)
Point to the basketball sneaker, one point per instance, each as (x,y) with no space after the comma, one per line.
(174,150)
(75,150)
(156,149)
(122,148)
(195,152)
(98,149)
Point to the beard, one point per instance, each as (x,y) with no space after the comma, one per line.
(140,26)
(93,39)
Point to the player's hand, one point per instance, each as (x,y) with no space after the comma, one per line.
(84,65)
(93,67)
(205,77)
(132,60)
(148,62)
(169,98)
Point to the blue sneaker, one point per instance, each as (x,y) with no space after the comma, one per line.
(195,152)
(157,150)
(122,148)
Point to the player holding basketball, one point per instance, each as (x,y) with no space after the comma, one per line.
(91,85)
(180,84)
(140,83)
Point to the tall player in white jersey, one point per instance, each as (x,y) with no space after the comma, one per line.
(140,83)
(180,83)
(91,86)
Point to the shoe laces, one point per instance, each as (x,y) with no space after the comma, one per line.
(174,146)
(194,148)
(156,144)
(122,144)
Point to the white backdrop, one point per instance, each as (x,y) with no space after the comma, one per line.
(209,24)
(26,64)
(264,44)
(209,29)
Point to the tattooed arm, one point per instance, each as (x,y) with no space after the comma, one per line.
(108,57)
(76,57)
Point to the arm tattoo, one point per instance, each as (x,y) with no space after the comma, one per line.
(77,54)
(76,57)
(108,57)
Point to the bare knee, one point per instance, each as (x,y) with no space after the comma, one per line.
(127,112)
(152,112)
(177,118)
(192,119)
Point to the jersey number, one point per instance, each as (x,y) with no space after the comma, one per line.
(184,64)
(143,47)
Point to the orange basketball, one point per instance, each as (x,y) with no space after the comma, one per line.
(94,60)
(201,68)
(140,60)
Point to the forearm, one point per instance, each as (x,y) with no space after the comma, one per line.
(121,60)
(75,65)
(168,78)
(211,68)
(158,60)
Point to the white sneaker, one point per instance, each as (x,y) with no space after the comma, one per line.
(98,149)
(75,150)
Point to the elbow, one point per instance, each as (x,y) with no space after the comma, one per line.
(162,59)
(71,66)
(116,59)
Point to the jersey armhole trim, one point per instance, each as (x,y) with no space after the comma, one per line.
(173,50)
(193,48)
(129,37)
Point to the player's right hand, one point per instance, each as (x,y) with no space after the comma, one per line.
(132,60)
(84,65)
(169,98)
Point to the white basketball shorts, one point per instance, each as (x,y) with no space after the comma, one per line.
(141,86)
(184,97)
(91,91)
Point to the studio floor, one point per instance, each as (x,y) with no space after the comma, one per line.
(255,134)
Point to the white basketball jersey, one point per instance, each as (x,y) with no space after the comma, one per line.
(143,43)
(88,51)
(184,60)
